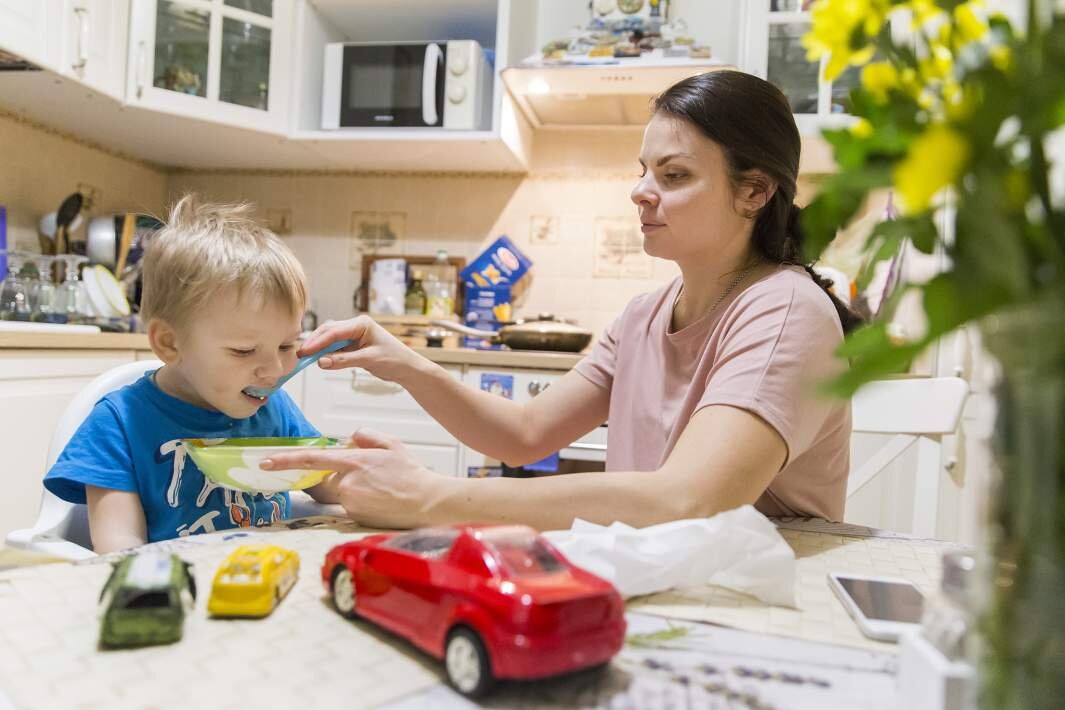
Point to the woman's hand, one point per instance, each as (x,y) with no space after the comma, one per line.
(381,485)
(373,348)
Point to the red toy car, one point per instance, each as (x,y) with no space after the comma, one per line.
(492,601)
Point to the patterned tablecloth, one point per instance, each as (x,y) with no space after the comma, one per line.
(305,655)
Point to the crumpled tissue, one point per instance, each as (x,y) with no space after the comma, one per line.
(738,549)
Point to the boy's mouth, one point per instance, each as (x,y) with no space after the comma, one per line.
(255,398)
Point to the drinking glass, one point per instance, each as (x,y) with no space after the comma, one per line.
(14,296)
(43,294)
(71,299)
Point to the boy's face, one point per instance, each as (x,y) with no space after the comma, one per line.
(232,344)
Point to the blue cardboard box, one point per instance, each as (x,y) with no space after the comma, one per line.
(500,263)
(486,309)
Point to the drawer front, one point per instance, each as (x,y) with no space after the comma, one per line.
(339,402)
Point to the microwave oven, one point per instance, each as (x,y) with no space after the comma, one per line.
(410,84)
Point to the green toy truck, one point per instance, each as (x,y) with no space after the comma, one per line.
(145,600)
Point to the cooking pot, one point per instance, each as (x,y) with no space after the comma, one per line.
(542,333)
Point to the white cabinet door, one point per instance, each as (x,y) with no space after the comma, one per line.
(35,387)
(220,60)
(29,28)
(95,34)
(339,402)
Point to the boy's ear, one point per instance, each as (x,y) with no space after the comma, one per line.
(162,337)
(754,193)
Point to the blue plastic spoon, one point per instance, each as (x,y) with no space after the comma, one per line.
(302,363)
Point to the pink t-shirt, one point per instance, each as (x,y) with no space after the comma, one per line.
(763,350)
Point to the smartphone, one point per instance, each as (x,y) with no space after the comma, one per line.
(883,607)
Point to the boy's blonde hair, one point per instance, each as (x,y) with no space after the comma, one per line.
(206,249)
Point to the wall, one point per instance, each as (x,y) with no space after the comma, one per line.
(575,179)
(41,167)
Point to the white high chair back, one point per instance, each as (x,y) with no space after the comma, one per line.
(919,412)
(62,528)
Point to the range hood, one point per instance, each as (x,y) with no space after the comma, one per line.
(611,94)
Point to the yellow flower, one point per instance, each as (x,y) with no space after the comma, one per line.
(923,11)
(934,160)
(879,78)
(939,63)
(861,129)
(1001,57)
(971,27)
(842,30)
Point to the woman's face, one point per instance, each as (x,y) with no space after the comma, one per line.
(688,210)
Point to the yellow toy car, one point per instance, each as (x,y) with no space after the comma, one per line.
(252,580)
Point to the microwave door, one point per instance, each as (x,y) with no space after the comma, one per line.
(385,85)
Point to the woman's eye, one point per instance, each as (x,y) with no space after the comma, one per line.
(674,176)
(286,348)
(241,353)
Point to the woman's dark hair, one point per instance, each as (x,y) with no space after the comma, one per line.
(751,121)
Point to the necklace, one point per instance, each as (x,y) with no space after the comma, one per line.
(735,282)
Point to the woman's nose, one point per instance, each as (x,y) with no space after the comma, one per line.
(642,194)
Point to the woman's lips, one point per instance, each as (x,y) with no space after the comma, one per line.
(646,227)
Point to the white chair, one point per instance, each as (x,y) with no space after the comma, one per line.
(919,412)
(62,528)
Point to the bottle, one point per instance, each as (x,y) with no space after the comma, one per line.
(440,290)
(414,302)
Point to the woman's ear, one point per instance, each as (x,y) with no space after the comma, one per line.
(162,338)
(755,192)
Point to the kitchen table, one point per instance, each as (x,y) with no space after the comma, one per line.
(305,654)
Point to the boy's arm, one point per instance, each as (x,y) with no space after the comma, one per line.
(326,491)
(116,519)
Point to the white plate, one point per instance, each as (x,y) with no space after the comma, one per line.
(98,305)
(112,290)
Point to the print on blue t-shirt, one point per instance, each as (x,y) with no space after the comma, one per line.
(131,441)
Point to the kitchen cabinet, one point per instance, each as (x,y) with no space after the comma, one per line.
(29,30)
(35,387)
(94,43)
(770,47)
(339,402)
(225,61)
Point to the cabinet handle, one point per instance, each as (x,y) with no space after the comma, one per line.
(83,37)
(373,386)
(587,447)
(141,68)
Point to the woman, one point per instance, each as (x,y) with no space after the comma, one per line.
(707,382)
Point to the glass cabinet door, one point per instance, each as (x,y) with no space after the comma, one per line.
(245,69)
(771,47)
(215,59)
(182,42)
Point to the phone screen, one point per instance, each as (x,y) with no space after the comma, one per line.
(885,601)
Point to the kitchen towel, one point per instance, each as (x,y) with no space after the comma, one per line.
(738,549)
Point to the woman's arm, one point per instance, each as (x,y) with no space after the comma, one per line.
(116,519)
(725,458)
(500,428)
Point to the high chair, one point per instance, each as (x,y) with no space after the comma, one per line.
(62,528)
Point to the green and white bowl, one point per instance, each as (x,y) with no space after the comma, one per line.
(234,463)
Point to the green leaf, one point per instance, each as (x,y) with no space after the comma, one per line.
(837,201)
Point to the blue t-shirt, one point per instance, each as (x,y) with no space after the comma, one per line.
(131,442)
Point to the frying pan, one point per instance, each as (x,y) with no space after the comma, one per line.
(543,333)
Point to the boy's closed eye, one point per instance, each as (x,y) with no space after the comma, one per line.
(245,352)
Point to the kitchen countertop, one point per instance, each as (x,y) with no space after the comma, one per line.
(138,341)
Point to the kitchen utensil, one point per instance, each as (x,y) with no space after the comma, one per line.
(128,225)
(302,363)
(100,240)
(235,463)
(544,333)
(65,216)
